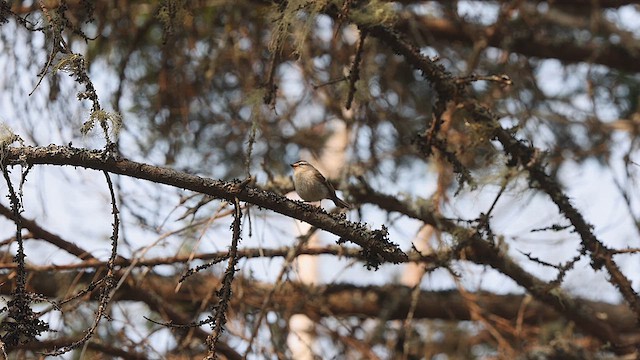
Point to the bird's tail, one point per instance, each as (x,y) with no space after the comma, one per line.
(341,203)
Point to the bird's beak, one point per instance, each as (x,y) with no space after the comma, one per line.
(292,165)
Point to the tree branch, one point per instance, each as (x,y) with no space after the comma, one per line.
(38,232)
(473,248)
(332,300)
(568,51)
(376,247)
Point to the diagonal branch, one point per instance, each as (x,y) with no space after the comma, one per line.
(518,151)
(40,233)
(375,243)
(473,248)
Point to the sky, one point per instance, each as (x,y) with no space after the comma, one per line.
(592,190)
(74,202)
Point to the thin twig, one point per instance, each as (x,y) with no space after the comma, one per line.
(247,253)
(109,287)
(354,74)
(220,317)
(17,219)
(291,255)
(27,324)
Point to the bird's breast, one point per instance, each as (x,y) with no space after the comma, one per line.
(309,188)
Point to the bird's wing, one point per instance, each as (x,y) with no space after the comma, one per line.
(324,180)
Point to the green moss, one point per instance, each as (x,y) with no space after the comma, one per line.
(7,136)
(376,12)
(109,121)
(297,14)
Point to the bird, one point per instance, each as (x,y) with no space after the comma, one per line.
(311,185)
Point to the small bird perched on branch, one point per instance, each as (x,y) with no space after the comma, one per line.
(312,186)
